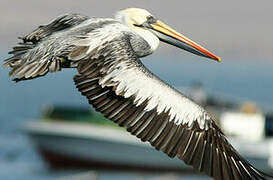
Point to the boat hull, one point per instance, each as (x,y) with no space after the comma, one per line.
(64,144)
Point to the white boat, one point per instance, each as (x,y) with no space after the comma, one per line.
(73,144)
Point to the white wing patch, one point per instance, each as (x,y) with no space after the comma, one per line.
(133,82)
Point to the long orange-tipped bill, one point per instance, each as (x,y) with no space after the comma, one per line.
(169,35)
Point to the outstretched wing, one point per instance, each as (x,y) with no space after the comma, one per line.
(39,52)
(117,84)
(47,49)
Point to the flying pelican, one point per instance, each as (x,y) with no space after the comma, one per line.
(106,54)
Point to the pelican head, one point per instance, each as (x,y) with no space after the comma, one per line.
(152,30)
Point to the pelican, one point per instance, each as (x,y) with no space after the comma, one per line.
(106,53)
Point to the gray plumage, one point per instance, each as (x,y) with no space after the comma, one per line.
(113,79)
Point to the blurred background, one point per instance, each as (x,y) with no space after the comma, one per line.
(239,89)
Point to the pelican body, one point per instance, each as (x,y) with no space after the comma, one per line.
(111,76)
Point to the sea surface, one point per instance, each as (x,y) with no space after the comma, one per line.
(238,80)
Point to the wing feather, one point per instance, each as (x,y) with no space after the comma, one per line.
(59,44)
(35,56)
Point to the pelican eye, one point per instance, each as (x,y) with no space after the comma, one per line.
(138,25)
(151,19)
(143,25)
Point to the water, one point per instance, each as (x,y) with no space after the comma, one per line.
(22,102)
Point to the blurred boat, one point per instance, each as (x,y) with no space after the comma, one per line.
(71,137)
(77,137)
(67,144)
